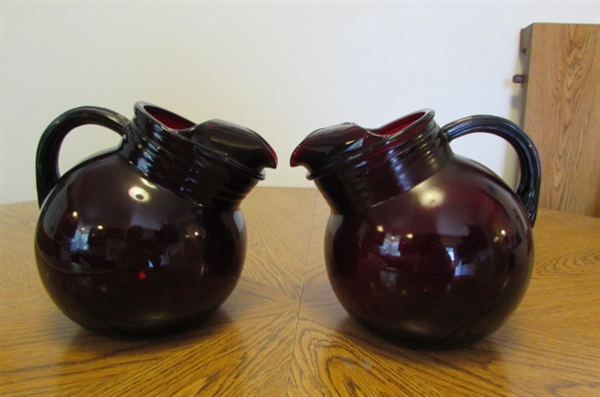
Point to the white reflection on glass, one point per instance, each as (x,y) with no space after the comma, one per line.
(238,218)
(79,242)
(148,183)
(460,268)
(139,194)
(431,197)
(451,253)
(390,245)
(465,269)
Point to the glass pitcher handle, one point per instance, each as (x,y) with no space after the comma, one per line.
(46,162)
(528,189)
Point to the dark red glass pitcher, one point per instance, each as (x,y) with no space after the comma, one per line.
(149,237)
(423,245)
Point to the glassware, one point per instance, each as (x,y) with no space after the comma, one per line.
(423,245)
(149,237)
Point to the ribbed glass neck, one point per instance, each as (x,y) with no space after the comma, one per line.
(167,160)
(371,179)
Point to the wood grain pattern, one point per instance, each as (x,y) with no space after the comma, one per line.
(283,333)
(561,112)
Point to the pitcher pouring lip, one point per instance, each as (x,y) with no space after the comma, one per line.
(328,148)
(221,140)
(356,168)
(213,163)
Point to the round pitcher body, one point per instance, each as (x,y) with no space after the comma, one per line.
(425,246)
(440,265)
(118,252)
(146,239)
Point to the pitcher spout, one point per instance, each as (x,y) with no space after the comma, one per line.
(229,142)
(320,149)
(220,162)
(356,167)
(327,149)
(235,144)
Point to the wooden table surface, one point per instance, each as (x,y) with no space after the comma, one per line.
(283,333)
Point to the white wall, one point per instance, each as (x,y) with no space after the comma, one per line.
(280,68)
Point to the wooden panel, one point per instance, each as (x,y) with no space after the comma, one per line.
(561,113)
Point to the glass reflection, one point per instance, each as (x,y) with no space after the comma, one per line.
(79,242)
(139,194)
(390,246)
(430,197)
(465,269)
